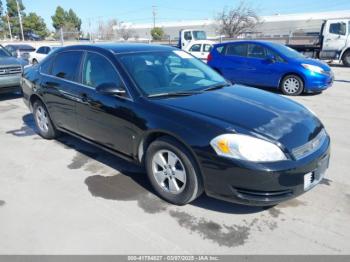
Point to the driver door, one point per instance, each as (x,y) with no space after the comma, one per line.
(104,119)
(335,38)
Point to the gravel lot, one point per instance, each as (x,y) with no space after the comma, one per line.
(67,197)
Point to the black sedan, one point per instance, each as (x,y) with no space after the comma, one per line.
(191,129)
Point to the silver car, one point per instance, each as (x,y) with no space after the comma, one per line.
(11,69)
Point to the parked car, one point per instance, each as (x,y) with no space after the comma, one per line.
(11,69)
(41,53)
(200,49)
(192,131)
(31,36)
(266,64)
(20,50)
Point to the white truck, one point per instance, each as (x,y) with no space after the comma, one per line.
(196,43)
(332,43)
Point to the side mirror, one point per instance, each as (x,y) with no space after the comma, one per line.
(110,89)
(271,59)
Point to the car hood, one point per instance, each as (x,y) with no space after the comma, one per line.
(314,62)
(262,113)
(9,61)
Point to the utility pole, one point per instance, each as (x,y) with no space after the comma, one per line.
(154,13)
(90,36)
(20,19)
(9,26)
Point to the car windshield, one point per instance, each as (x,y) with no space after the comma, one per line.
(4,52)
(199,35)
(287,51)
(170,72)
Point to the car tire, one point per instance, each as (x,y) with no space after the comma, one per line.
(292,85)
(346,58)
(43,121)
(34,62)
(173,172)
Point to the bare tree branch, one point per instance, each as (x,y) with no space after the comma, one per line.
(233,22)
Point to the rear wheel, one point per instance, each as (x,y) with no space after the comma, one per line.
(43,122)
(346,58)
(292,85)
(173,172)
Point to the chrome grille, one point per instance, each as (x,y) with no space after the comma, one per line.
(10,71)
(310,146)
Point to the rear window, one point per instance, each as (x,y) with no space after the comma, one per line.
(237,50)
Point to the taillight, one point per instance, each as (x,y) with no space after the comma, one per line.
(210,57)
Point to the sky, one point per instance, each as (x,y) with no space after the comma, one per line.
(140,11)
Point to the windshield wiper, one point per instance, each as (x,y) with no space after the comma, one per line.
(216,86)
(187,93)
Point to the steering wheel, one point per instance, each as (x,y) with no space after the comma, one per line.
(178,75)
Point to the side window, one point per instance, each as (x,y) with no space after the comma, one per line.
(237,50)
(207,48)
(257,51)
(337,28)
(45,66)
(41,50)
(66,65)
(195,48)
(98,70)
(47,50)
(188,36)
(270,52)
(220,49)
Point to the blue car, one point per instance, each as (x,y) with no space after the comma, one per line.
(266,64)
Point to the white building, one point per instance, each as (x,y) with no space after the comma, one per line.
(275,25)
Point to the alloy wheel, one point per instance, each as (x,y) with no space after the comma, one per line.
(169,171)
(42,119)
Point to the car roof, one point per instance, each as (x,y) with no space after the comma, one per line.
(121,48)
(262,42)
(21,46)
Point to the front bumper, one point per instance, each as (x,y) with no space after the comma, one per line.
(10,81)
(263,184)
(318,82)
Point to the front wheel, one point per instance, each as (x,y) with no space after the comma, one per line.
(43,122)
(173,172)
(346,58)
(292,85)
(34,62)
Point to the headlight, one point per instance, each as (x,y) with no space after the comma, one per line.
(313,68)
(247,148)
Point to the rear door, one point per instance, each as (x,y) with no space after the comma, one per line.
(41,53)
(59,83)
(195,50)
(104,119)
(233,64)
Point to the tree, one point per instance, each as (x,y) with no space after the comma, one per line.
(12,12)
(69,22)
(157,33)
(73,19)
(12,8)
(124,31)
(234,21)
(34,23)
(59,18)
